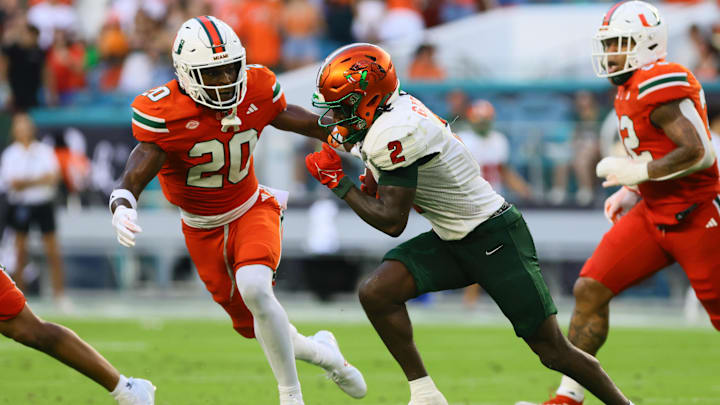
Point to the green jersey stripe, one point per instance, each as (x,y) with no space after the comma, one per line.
(148,128)
(277,92)
(662,81)
(276,89)
(663,76)
(150,123)
(147,116)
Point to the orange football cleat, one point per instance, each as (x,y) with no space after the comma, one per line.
(556,400)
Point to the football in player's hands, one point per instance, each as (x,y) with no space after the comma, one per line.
(368,185)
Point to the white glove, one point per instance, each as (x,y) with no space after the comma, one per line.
(124,221)
(625,171)
(620,203)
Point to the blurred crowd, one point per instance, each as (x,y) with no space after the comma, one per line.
(53,51)
(79,52)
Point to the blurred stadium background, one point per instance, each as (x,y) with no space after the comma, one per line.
(530,59)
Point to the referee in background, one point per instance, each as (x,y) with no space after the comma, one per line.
(30,171)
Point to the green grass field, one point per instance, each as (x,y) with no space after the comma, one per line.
(205,362)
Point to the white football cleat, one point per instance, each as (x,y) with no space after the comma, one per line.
(137,392)
(345,375)
(433,398)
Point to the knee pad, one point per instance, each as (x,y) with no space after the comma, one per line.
(255,285)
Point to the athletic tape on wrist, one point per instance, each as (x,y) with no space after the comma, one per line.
(125,194)
(343,187)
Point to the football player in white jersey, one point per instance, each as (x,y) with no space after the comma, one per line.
(476,236)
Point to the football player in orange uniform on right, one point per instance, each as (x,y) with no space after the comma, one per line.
(197,134)
(668,208)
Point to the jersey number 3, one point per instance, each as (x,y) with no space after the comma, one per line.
(631,141)
(240,148)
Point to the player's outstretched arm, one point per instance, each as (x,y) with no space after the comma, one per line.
(299,120)
(144,163)
(682,123)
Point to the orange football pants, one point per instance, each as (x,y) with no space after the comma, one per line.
(634,249)
(12,300)
(254,238)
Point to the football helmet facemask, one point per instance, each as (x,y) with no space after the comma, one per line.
(355,83)
(639,33)
(206,42)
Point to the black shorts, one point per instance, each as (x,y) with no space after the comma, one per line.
(21,217)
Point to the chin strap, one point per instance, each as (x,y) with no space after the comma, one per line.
(619,80)
(231,121)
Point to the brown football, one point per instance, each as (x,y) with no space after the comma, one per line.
(370,183)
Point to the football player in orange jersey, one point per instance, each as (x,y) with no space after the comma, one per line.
(197,133)
(668,208)
(19,323)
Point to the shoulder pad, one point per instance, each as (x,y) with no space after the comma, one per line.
(262,84)
(401,136)
(663,82)
(163,104)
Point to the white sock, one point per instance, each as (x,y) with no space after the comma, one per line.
(270,321)
(120,387)
(571,389)
(422,386)
(309,350)
(288,393)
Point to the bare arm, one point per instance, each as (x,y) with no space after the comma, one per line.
(681,123)
(387,213)
(299,120)
(143,164)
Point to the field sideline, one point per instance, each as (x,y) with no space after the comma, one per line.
(204,362)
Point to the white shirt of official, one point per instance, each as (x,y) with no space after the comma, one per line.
(20,163)
(489,151)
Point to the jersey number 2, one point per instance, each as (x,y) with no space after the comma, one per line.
(240,148)
(395,148)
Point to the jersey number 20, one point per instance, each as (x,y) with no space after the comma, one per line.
(240,148)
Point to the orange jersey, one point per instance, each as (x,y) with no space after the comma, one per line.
(12,301)
(648,88)
(207,171)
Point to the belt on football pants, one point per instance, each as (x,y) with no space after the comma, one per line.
(504,207)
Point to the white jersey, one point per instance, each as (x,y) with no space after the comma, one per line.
(451,192)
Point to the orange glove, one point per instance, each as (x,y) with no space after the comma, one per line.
(326,167)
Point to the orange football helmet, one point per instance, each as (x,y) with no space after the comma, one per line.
(355,82)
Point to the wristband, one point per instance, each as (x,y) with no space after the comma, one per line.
(343,187)
(124,194)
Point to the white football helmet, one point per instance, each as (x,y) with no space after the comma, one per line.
(640,32)
(206,42)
